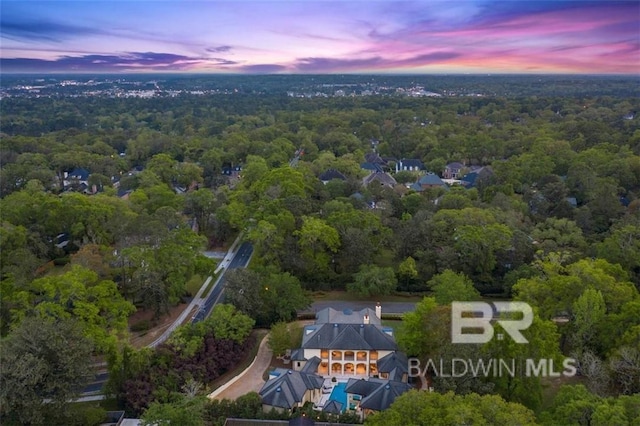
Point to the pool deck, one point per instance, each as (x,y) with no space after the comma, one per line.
(327,382)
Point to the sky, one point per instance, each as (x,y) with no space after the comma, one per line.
(321,37)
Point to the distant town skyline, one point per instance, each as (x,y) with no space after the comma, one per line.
(319,37)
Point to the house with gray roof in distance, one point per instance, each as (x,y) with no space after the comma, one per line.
(288,389)
(348,343)
(331,174)
(371,167)
(430,180)
(476,175)
(372,395)
(374,158)
(381,178)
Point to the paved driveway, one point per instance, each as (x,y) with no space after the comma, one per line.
(250,379)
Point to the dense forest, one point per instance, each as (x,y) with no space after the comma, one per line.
(108,202)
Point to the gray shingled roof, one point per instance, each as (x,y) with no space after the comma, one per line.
(377,394)
(347,316)
(431,179)
(371,166)
(331,174)
(396,364)
(347,336)
(312,365)
(297,355)
(288,388)
(332,407)
(380,177)
(411,162)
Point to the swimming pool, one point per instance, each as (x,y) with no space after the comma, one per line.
(338,394)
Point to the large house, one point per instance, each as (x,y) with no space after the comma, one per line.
(348,349)
(346,343)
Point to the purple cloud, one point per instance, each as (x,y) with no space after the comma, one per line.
(218,49)
(374,62)
(262,68)
(128,61)
(335,64)
(43,30)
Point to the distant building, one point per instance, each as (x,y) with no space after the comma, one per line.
(476,175)
(411,165)
(430,180)
(382,178)
(331,174)
(372,167)
(453,170)
(76,179)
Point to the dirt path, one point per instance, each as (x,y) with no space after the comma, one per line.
(250,379)
(141,339)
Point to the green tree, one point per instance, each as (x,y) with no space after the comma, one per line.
(284,336)
(164,167)
(543,343)
(317,241)
(373,280)
(623,247)
(478,247)
(242,290)
(420,333)
(184,411)
(407,274)
(282,297)
(416,408)
(588,312)
(575,405)
(44,364)
(201,204)
(79,294)
(555,291)
(559,235)
(450,286)
(229,323)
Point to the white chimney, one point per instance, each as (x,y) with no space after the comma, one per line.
(366,319)
(379,310)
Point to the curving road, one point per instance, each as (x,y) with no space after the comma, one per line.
(240,260)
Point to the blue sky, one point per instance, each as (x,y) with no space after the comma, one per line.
(377,36)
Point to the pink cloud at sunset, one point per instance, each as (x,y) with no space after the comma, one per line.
(322,37)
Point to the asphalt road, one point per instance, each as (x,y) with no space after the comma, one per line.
(97,384)
(240,260)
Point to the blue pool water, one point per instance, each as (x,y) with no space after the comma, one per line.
(338,394)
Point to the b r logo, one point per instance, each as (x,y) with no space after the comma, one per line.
(482,317)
